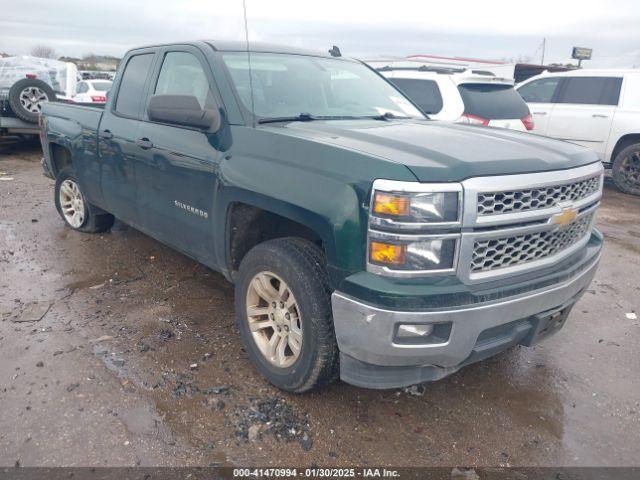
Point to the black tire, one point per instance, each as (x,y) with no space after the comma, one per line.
(626,170)
(15,92)
(95,220)
(302,266)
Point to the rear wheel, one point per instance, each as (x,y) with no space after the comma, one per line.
(74,209)
(284,314)
(626,170)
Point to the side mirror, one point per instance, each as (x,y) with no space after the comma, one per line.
(182,110)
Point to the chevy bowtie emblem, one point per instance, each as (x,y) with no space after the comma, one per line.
(567,216)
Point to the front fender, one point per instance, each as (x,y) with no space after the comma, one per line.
(337,222)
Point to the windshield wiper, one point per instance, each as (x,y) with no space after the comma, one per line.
(302,117)
(389,116)
(307,117)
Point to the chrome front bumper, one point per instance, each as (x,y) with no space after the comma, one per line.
(373,357)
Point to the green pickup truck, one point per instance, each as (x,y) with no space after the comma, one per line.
(365,241)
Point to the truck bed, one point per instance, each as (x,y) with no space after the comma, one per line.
(69,120)
(86,115)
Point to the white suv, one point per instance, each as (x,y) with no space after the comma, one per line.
(599,109)
(461,95)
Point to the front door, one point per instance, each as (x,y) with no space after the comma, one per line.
(178,172)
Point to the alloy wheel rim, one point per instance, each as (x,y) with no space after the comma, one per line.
(274,319)
(72,203)
(32,98)
(630,169)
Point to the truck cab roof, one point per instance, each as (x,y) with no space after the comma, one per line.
(241,46)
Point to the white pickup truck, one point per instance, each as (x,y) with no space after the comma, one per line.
(599,109)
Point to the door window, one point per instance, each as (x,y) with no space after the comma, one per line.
(591,90)
(82,87)
(539,91)
(132,84)
(424,93)
(182,74)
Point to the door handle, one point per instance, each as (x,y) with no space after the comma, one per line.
(144,143)
(106,134)
(599,115)
(539,113)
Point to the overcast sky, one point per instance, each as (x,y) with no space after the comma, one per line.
(485,29)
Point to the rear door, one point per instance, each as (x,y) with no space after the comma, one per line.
(117,136)
(540,95)
(584,111)
(178,172)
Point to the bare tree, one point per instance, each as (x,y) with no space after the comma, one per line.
(43,51)
(89,57)
(88,61)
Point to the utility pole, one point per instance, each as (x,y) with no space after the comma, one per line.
(544,45)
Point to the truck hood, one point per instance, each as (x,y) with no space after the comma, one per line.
(444,152)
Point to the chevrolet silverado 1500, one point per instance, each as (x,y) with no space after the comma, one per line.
(365,241)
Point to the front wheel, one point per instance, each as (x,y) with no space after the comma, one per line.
(74,209)
(626,170)
(284,314)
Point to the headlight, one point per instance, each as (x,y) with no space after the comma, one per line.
(419,207)
(393,205)
(414,228)
(423,255)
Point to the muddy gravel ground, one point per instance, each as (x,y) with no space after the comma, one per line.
(130,356)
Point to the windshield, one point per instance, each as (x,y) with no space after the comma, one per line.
(288,85)
(493,102)
(102,86)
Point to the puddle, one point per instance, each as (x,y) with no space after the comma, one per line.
(142,421)
(93,282)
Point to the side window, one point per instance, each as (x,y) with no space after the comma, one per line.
(132,84)
(182,74)
(82,87)
(539,91)
(424,93)
(591,90)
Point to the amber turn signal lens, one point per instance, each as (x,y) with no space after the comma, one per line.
(387,253)
(386,204)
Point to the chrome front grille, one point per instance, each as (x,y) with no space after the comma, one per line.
(497,253)
(514,224)
(509,201)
